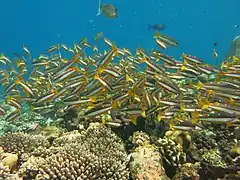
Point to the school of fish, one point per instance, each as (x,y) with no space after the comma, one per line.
(117,87)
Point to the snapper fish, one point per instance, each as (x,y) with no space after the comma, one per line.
(108,10)
(235,47)
(156,27)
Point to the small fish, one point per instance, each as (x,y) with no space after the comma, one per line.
(25,87)
(156,27)
(14,102)
(25,49)
(166,39)
(81,101)
(107,58)
(215,54)
(192,59)
(53,48)
(98,36)
(45,98)
(104,83)
(98,111)
(4,58)
(2,111)
(234,50)
(108,10)
(13,115)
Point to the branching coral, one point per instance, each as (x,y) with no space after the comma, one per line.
(96,154)
(170,152)
(140,139)
(22,143)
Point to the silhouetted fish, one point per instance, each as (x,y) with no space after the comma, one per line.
(235,47)
(157,27)
(107,9)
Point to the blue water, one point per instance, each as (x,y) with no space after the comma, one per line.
(195,24)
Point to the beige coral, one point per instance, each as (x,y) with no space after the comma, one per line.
(147,164)
(8,162)
(96,153)
(22,143)
(140,138)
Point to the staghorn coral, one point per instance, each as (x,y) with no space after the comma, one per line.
(96,154)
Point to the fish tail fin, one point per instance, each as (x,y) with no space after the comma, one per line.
(115,104)
(204,104)
(101,68)
(143,60)
(96,76)
(32,108)
(143,113)
(199,85)
(19,80)
(99,7)
(91,106)
(195,117)
(93,99)
(134,120)
(115,50)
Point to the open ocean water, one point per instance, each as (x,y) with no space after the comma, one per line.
(196,25)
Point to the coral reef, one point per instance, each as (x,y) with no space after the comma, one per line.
(8,162)
(22,143)
(213,158)
(146,161)
(188,171)
(51,152)
(215,148)
(28,122)
(213,139)
(95,153)
(171,154)
(140,139)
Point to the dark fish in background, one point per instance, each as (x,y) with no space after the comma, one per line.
(235,47)
(215,54)
(157,27)
(107,9)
